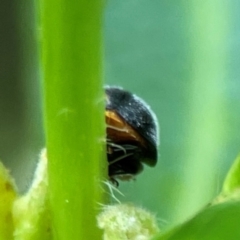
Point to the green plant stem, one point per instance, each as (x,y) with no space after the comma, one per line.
(208,25)
(74,119)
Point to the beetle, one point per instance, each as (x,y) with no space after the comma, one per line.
(132,134)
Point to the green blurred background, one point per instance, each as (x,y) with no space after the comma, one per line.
(182,57)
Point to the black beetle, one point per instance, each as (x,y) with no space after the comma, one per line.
(132,134)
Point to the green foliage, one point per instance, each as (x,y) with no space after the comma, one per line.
(31,211)
(175,54)
(218,222)
(7,196)
(232,181)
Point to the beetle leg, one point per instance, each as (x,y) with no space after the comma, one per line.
(119,147)
(120,158)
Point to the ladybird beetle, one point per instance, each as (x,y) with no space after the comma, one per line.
(132,134)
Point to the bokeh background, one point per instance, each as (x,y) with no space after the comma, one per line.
(181,57)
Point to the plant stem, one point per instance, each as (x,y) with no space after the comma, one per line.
(74,119)
(208,28)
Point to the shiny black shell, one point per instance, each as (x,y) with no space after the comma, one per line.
(138,115)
